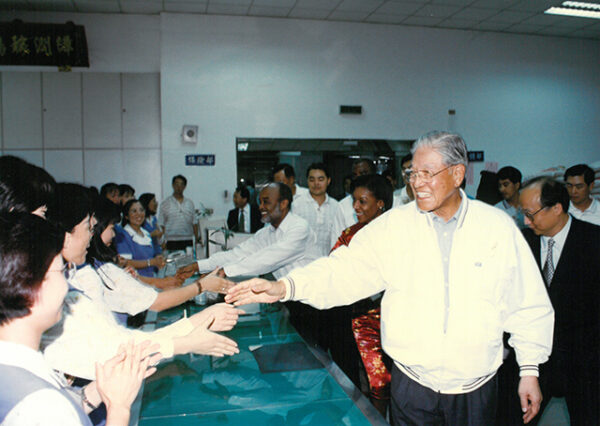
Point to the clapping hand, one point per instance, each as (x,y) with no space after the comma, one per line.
(118,380)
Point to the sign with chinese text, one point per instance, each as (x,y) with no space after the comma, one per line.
(475,156)
(62,45)
(200,160)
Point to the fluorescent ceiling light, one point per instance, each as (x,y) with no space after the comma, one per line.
(573,12)
(581,5)
(576,8)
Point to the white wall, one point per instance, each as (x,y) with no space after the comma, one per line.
(528,101)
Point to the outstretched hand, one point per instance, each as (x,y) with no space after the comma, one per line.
(224,317)
(185,272)
(205,342)
(216,282)
(256,290)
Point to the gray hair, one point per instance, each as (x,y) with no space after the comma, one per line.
(451,146)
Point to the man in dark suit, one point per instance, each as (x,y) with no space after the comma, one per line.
(568,253)
(245,217)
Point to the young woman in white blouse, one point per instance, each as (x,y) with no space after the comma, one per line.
(32,290)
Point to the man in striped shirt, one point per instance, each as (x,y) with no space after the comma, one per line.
(177,217)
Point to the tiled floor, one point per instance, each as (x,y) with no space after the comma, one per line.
(555,414)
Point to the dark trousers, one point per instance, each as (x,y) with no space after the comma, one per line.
(414,404)
(559,377)
(577,381)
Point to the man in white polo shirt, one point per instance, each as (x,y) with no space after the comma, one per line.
(457,273)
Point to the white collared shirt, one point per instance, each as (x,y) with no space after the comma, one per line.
(494,286)
(591,214)
(278,250)
(45,406)
(300,191)
(143,240)
(559,243)
(321,218)
(177,218)
(88,332)
(348,217)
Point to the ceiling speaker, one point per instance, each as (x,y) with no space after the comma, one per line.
(189,134)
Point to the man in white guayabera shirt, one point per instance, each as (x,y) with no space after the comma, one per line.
(457,273)
(287,242)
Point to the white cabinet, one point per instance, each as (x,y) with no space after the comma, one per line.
(102,110)
(141,110)
(22,110)
(90,128)
(62,110)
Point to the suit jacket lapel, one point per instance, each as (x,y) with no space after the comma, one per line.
(567,252)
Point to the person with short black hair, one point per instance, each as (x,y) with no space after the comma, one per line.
(25,187)
(134,242)
(406,195)
(284,173)
(177,217)
(354,331)
(320,210)
(150,205)
(285,243)
(32,290)
(567,251)
(579,180)
(509,184)
(245,217)
(110,191)
(88,331)
(360,167)
(126,193)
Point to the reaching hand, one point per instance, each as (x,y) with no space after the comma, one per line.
(256,290)
(225,317)
(118,381)
(214,282)
(131,271)
(168,282)
(185,272)
(205,342)
(530,396)
(121,261)
(158,261)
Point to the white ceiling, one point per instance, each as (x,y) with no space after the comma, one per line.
(506,16)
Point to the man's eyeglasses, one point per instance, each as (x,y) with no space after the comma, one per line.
(424,175)
(531,216)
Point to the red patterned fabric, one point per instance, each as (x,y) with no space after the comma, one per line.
(366,328)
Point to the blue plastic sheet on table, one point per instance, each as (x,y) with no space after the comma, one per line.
(192,390)
(317,413)
(294,356)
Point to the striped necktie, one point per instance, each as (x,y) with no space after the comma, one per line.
(242,222)
(548,270)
